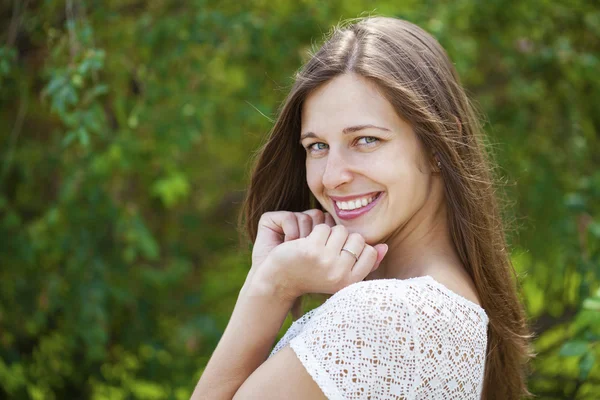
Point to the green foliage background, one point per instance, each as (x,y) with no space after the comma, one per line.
(126,133)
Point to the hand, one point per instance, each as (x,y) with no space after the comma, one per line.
(277,227)
(303,255)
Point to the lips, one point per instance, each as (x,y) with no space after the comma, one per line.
(351,214)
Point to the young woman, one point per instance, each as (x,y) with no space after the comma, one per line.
(374,186)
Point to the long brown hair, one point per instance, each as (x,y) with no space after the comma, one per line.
(415,74)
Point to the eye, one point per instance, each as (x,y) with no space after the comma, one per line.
(367,140)
(316,146)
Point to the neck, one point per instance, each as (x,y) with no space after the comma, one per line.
(420,247)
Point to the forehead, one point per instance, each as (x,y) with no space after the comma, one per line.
(347,100)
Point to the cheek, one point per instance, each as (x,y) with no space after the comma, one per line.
(405,183)
(399,166)
(411,190)
(314,177)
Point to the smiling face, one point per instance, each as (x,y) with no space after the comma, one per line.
(364,164)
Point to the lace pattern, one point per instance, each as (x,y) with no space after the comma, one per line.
(393,339)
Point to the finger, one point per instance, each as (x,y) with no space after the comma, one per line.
(382,250)
(337,238)
(365,264)
(329,220)
(320,234)
(355,243)
(289,224)
(317,216)
(305,224)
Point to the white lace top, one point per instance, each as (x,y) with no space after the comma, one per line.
(393,339)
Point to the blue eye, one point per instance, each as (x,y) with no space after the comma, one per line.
(368,140)
(320,146)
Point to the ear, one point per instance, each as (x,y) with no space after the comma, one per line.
(459,124)
(436,164)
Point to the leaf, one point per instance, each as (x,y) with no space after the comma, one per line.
(84,137)
(594,228)
(586,364)
(56,83)
(94,92)
(171,189)
(575,202)
(67,140)
(592,304)
(574,348)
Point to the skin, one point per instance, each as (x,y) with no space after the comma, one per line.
(405,235)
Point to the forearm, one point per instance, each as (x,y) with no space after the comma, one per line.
(250,334)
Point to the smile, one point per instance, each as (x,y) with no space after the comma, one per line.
(356,207)
(354,204)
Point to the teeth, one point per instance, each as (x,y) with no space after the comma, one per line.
(354,204)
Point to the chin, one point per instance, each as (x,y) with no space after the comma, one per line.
(370,237)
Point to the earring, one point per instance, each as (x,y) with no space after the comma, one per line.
(439,164)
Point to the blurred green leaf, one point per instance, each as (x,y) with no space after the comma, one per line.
(574,348)
(585,365)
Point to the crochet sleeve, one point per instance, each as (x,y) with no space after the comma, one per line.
(360,344)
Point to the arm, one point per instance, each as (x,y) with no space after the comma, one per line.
(312,263)
(256,319)
(281,377)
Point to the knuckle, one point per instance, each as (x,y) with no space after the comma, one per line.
(328,259)
(315,212)
(324,227)
(335,277)
(310,254)
(339,228)
(266,215)
(304,218)
(288,216)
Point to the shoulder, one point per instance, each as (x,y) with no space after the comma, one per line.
(376,303)
(410,302)
(397,292)
(412,294)
(420,307)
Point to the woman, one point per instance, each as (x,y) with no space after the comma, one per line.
(374,186)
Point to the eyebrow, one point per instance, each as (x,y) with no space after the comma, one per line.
(345,131)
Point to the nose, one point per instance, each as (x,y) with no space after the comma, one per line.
(337,170)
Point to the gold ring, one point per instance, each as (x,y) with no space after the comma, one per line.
(351,252)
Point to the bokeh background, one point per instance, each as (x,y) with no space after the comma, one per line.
(127,131)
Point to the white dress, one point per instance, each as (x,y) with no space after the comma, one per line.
(393,339)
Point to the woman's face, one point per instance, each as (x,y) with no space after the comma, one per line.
(364,164)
